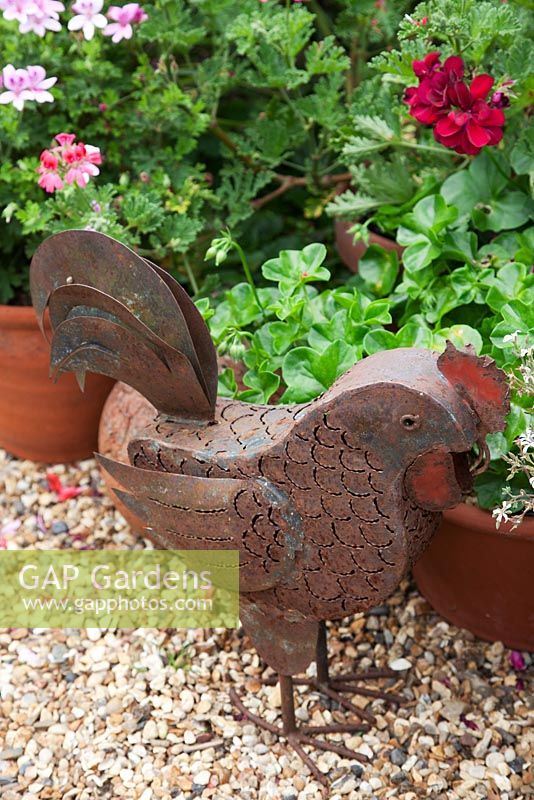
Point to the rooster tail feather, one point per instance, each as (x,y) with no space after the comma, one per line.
(117,314)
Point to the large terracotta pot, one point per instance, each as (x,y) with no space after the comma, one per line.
(481,578)
(125,414)
(350,251)
(39,419)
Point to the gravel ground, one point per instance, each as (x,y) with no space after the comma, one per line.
(145,714)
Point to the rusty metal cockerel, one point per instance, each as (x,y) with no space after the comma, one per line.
(329,503)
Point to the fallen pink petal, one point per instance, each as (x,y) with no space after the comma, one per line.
(517,661)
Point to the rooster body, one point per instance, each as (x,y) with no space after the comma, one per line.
(329,503)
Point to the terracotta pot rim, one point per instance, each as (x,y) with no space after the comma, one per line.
(475,518)
(18,317)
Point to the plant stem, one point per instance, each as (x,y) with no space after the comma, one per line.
(248,273)
(190,275)
(290,181)
(323,20)
(427,148)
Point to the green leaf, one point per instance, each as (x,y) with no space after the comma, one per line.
(227,386)
(519,314)
(522,155)
(308,374)
(419,255)
(377,312)
(263,384)
(432,214)
(379,269)
(459,190)
(378,340)
(481,183)
(511,210)
(283,334)
(294,268)
(414,334)
(142,211)
(204,306)
(459,335)
(352,205)
(490,173)
(489,486)
(374,126)
(322,334)
(326,57)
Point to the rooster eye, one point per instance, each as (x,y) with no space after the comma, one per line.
(410,421)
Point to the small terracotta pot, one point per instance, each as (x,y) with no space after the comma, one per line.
(39,419)
(350,252)
(481,578)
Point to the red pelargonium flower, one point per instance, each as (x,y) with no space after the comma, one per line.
(462,118)
(428,65)
(474,124)
(430,100)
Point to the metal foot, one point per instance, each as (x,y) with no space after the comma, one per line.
(305,735)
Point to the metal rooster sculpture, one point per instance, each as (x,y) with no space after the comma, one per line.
(328,503)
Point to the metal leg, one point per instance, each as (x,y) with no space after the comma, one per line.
(289,724)
(330,687)
(322,655)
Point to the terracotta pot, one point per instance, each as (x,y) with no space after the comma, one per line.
(39,419)
(480,578)
(124,416)
(350,252)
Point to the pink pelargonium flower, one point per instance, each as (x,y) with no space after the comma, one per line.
(124,16)
(65,138)
(88,17)
(16,85)
(39,84)
(68,162)
(39,24)
(85,165)
(26,84)
(38,16)
(18,9)
(49,160)
(50,181)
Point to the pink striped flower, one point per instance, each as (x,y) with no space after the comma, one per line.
(21,85)
(124,17)
(37,16)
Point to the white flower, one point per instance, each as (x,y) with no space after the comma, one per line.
(88,17)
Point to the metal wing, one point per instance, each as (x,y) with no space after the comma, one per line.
(188,513)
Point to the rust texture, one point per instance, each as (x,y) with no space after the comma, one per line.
(329,503)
